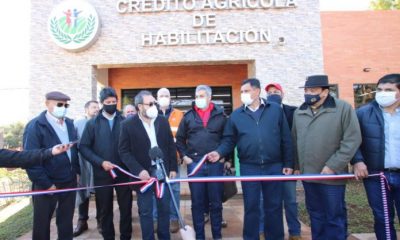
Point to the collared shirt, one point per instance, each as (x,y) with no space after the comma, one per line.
(392,138)
(150,130)
(60,127)
(110,119)
(256,113)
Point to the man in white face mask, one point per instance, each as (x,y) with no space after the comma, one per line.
(139,134)
(380,150)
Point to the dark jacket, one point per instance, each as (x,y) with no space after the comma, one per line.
(23,159)
(99,143)
(372,149)
(193,139)
(40,134)
(265,141)
(134,144)
(289,111)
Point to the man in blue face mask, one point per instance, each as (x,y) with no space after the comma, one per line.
(275,94)
(326,136)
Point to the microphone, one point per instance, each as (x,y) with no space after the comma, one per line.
(156,153)
(156,156)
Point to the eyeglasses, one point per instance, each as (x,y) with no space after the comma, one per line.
(66,105)
(150,104)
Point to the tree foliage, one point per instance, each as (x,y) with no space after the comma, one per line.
(13,135)
(385,4)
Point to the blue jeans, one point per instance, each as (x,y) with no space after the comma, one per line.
(272,195)
(198,192)
(176,190)
(327,209)
(291,210)
(145,205)
(374,193)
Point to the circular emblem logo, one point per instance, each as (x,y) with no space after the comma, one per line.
(74,25)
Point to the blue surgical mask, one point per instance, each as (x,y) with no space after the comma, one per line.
(59,112)
(311,99)
(275,98)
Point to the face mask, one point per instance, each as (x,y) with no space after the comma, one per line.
(110,109)
(201,103)
(59,112)
(246,99)
(275,98)
(385,99)
(311,99)
(152,112)
(164,102)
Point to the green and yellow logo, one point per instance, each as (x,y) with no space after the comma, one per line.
(74,25)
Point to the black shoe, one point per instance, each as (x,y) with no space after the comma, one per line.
(224,223)
(80,228)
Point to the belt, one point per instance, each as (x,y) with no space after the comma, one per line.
(395,170)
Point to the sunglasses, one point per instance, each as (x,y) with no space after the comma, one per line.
(150,104)
(66,105)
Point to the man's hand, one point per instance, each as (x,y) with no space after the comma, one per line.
(144,175)
(107,165)
(296,172)
(60,148)
(213,156)
(227,165)
(360,170)
(187,160)
(327,170)
(172,174)
(287,171)
(53,187)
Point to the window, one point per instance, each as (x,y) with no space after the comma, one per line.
(363,93)
(182,98)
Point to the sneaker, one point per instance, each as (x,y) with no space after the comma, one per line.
(224,223)
(206,218)
(174,226)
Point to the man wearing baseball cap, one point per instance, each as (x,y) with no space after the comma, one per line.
(275,94)
(326,136)
(50,128)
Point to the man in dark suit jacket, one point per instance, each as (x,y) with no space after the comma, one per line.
(51,127)
(138,135)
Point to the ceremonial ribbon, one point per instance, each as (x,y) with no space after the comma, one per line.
(198,166)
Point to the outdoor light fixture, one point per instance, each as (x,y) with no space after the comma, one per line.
(367,69)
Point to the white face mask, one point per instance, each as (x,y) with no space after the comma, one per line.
(246,99)
(164,102)
(201,103)
(385,99)
(152,112)
(59,112)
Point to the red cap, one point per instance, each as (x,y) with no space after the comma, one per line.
(276,85)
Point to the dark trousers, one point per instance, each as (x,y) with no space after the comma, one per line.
(83,210)
(43,209)
(145,206)
(105,199)
(272,195)
(327,209)
(214,191)
(374,193)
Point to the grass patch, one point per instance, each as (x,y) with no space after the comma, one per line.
(359,214)
(17,225)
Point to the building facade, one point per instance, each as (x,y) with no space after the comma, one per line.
(145,44)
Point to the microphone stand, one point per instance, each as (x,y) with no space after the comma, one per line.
(181,222)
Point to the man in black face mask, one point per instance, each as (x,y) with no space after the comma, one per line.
(326,136)
(275,94)
(99,145)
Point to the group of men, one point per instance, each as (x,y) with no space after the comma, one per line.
(322,137)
